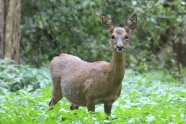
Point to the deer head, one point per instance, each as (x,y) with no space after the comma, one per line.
(119,35)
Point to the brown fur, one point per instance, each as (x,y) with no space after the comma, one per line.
(88,84)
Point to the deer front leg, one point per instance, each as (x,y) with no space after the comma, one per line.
(107,108)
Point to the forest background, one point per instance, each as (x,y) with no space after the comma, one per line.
(33,32)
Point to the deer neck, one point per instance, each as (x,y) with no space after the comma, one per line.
(117,68)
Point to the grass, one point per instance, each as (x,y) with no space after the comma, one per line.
(147,98)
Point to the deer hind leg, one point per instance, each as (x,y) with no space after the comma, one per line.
(107,108)
(56,93)
(74,107)
(90,105)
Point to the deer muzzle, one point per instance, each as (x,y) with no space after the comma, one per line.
(120,47)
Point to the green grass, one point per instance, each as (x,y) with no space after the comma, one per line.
(147,98)
(14,77)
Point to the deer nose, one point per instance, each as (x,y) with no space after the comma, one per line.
(120,47)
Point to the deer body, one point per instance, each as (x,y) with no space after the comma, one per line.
(88,84)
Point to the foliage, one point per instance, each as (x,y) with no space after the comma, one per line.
(74,27)
(64,26)
(55,26)
(151,97)
(15,77)
(160,23)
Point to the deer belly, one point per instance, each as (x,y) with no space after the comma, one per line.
(74,95)
(107,99)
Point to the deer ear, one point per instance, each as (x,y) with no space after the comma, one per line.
(107,23)
(131,23)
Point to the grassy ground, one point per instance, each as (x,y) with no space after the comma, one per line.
(147,98)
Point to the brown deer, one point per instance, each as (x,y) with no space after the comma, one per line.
(87,84)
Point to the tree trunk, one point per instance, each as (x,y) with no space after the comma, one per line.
(2,23)
(177,49)
(10,17)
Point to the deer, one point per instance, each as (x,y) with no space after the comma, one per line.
(90,83)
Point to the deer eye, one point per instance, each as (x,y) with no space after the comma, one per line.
(126,37)
(112,37)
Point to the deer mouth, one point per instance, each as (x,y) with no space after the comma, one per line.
(120,49)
